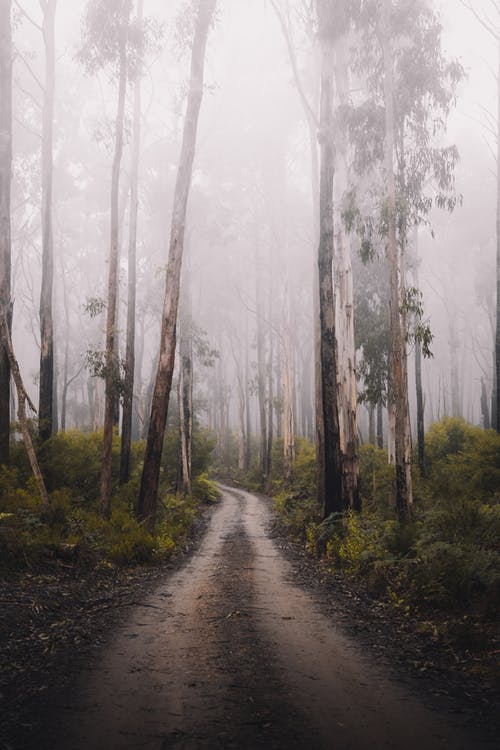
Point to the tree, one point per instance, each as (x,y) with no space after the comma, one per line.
(146,507)
(185,394)
(105,44)
(46,390)
(342,271)
(398,372)
(5,221)
(128,382)
(395,127)
(333,490)
(490,20)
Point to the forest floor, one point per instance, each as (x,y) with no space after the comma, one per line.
(245,644)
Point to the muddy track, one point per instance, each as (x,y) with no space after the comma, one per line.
(230,653)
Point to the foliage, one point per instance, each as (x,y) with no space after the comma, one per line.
(447,559)
(70,529)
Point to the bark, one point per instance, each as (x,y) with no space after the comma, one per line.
(371,424)
(497,336)
(420,408)
(288,411)
(128,386)
(248,431)
(380,425)
(22,400)
(344,296)
(5,221)
(270,397)
(398,378)
(332,466)
(454,343)
(261,375)
(241,410)
(418,383)
(185,399)
(112,369)
(146,508)
(46,391)
(484,406)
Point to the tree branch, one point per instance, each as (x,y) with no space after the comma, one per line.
(285,28)
(27,16)
(30,69)
(490,27)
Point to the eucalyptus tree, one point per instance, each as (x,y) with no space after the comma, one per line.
(146,507)
(341,269)
(46,389)
(5,218)
(105,46)
(410,89)
(333,486)
(489,18)
(128,380)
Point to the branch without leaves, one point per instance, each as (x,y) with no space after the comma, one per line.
(23,399)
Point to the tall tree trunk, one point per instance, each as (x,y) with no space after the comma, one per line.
(332,482)
(398,379)
(420,408)
(128,386)
(344,297)
(418,381)
(146,508)
(248,431)
(112,369)
(371,424)
(185,394)
(497,337)
(5,227)
(241,408)
(261,374)
(380,425)
(288,411)
(270,396)
(45,411)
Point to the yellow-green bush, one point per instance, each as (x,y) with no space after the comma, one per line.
(204,490)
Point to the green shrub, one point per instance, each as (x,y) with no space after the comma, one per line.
(204,490)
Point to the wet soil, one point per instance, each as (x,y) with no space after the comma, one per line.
(239,648)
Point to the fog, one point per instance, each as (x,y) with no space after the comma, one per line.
(248,273)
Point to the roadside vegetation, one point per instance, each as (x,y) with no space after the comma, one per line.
(442,566)
(70,530)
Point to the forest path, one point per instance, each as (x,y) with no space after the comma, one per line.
(230,653)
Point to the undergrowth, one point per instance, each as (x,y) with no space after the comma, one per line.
(70,530)
(446,560)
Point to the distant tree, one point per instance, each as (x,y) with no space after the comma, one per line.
(148,495)
(489,18)
(5,220)
(128,381)
(185,393)
(105,41)
(46,390)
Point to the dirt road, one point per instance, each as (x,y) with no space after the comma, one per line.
(230,653)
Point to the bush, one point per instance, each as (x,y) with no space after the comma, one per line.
(204,490)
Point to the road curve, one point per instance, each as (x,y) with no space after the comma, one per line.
(230,653)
